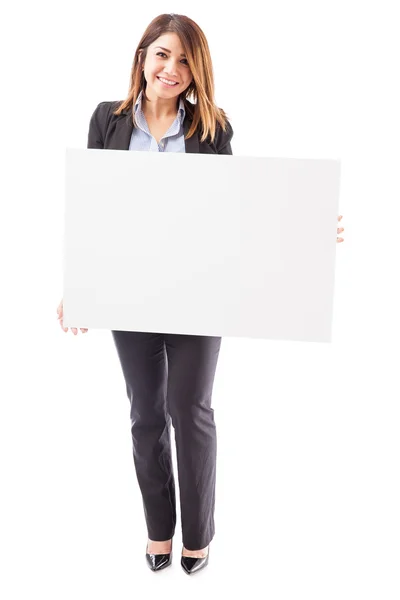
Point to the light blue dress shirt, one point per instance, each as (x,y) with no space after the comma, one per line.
(172,141)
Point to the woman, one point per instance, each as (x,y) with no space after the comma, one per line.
(169,376)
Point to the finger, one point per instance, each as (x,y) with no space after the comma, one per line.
(340,229)
(74,330)
(340,240)
(83,330)
(340,217)
(62,325)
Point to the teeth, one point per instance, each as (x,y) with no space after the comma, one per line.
(167,82)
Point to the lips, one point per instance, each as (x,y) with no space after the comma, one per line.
(175,82)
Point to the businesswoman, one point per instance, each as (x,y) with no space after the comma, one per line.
(169,377)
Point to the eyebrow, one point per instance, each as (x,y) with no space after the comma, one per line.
(166,50)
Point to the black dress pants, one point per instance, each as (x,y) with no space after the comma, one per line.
(169,377)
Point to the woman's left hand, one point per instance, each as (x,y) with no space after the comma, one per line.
(339,230)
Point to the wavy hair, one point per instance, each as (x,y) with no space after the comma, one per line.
(204,113)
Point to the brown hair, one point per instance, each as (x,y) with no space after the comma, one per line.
(205,113)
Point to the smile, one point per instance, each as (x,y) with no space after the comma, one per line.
(167,82)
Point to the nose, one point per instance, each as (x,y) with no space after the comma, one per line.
(170,67)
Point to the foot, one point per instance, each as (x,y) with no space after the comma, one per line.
(159,547)
(195,553)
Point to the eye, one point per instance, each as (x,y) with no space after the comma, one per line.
(163,53)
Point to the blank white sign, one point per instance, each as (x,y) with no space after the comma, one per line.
(200,244)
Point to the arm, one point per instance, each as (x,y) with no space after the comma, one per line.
(97,125)
(224,140)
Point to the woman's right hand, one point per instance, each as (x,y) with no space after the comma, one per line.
(60,313)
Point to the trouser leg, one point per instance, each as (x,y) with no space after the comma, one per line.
(192,362)
(144,365)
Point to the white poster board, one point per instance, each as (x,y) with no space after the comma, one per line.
(200,244)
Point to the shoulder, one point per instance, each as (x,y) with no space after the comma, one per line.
(100,122)
(104,109)
(220,134)
(222,139)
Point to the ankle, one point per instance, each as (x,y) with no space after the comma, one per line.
(201,553)
(159,547)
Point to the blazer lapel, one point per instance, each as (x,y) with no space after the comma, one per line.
(123,131)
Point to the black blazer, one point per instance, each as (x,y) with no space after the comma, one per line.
(108,131)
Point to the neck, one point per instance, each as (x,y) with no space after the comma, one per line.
(159,108)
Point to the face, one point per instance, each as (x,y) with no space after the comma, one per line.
(164,60)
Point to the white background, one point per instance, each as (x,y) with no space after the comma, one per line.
(308,445)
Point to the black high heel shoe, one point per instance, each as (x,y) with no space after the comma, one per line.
(192,565)
(156,562)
